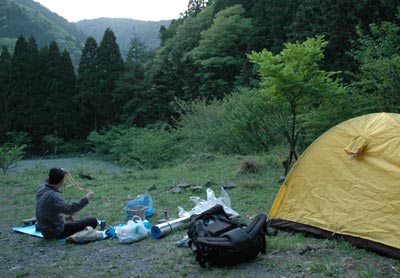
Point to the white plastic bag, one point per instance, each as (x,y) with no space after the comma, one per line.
(203,205)
(133,231)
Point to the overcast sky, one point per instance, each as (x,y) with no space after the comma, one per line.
(153,10)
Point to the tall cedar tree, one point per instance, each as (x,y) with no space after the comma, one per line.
(5,66)
(19,102)
(68,111)
(132,85)
(86,83)
(109,66)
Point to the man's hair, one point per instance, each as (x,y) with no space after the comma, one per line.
(56,175)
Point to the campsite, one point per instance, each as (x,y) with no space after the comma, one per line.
(286,110)
(289,254)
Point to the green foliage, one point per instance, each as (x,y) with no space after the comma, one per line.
(253,119)
(52,143)
(131,94)
(101,142)
(148,147)
(377,88)
(205,128)
(18,138)
(9,155)
(293,81)
(221,50)
(141,147)
(86,86)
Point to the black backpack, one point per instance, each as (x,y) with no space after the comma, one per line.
(218,240)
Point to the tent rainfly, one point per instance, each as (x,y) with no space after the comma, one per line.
(347,184)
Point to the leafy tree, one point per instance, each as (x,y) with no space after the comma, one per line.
(9,155)
(293,81)
(221,52)
(52,143)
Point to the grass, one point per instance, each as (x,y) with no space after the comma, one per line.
(288,254)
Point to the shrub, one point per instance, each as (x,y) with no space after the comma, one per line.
(250,165)
(52,143)
(148,147)
(101,142)
(253,120)
(9,155)
(204,127)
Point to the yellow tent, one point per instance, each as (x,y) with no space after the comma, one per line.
(347,183)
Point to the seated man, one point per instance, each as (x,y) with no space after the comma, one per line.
(51,208)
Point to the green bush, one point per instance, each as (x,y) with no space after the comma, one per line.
(101,142)
(142,147)
(148,147)
(52,143)
(204,127)
(253,120)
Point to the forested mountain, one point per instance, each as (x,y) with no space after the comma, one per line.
(29,18)
(124,29)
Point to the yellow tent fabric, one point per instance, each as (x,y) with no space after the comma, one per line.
(348,181)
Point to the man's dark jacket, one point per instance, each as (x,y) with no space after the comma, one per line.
(51,208)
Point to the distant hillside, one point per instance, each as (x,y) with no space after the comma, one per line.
(124,29)
(28,18)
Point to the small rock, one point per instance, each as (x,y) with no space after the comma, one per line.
(175,190)
(229,184)
(183,185)
(196,188)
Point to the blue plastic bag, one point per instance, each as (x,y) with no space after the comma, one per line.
(144,200)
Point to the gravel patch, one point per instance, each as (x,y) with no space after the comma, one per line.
(84,164)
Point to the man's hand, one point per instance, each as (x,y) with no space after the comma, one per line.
(90,196)
(66,172)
